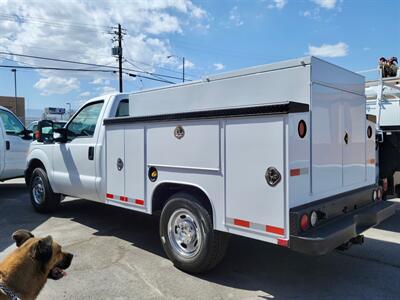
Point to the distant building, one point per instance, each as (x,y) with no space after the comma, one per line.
(17,106)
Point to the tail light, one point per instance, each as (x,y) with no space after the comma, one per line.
(37,135)
(379,194)
(385,184)
(304,222)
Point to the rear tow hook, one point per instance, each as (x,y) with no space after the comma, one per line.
(358,240)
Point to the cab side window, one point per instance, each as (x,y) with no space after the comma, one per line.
(11,124)
(84,123)
(123,109)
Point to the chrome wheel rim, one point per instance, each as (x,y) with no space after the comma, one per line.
(38,191)
(184,233)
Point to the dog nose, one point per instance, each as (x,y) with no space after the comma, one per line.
(68,259)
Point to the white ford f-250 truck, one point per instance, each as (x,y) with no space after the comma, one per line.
(14,145)
(281,153)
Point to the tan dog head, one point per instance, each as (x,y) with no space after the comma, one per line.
(46,252)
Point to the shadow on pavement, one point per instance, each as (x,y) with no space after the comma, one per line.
(16,212)
(249,264)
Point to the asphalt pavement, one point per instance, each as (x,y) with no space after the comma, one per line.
(118,255)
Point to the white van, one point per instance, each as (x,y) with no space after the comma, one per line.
(14,144)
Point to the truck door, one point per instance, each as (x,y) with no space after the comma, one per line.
(2,149)
(74,162)
(354,139)
(338,139)
(15,146)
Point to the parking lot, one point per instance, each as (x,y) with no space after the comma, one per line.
(118,255)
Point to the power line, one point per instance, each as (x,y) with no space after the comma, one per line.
(150,73)
(83,70)
(158,67)
(150,78)
(56,69)
(55,23)
(83,63)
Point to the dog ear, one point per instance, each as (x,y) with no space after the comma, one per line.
(43,250)
(21,236)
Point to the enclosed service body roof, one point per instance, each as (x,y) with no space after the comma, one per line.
(281,82)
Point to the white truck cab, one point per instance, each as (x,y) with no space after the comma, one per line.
(282,153)
(14,145)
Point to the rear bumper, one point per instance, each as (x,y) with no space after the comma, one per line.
(335,232)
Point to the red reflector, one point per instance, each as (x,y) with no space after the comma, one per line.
(302,129)
(385,184)
(110,196)
(283,243)
(304,222)
(379,193)
(294,172)
(242,223)
(139,201)
(123,198)
(273,229)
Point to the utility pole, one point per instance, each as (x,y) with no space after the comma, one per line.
(15,90)
(117,51)
(120,56)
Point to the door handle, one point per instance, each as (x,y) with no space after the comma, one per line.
(8,145)
(91,153)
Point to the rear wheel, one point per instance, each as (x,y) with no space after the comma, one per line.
(188,237)
(42,196)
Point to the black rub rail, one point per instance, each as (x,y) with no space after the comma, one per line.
(270,109)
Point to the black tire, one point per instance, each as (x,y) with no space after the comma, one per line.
(213,243)
(51,201)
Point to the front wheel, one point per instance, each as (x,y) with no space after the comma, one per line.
(188,237)
(42,196)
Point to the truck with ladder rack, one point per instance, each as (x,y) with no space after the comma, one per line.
(280,153)
(383,106)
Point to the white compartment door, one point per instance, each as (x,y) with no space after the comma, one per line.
(354,139)
(115,140)
(327,137)
(135,172)
(252,146)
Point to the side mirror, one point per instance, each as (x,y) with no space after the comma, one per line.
(26,134)
(60,135)
(44,132)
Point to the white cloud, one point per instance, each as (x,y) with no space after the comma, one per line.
(336,50)
(312,13)
(84,94)
(100,81)
(56,85)
(366,48)
(77,30)
(328,4)
(106,90)
(234,16)
(219,66)
(188,64)
(278,4)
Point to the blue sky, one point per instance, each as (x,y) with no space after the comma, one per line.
(214,36)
